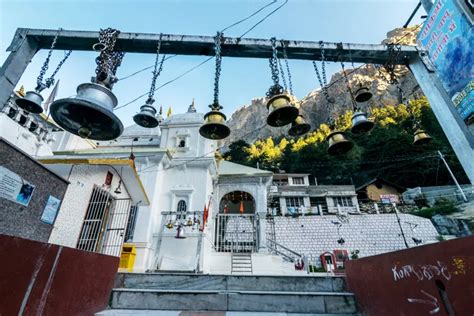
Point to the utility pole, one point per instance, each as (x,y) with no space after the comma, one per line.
(400,225)
(452,176)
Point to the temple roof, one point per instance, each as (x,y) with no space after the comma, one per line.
(227,168)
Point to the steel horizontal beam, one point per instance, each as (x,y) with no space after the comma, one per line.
(204,45)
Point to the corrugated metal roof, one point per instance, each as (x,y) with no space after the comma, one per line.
(227,168)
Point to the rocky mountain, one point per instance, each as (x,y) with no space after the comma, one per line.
(246,123)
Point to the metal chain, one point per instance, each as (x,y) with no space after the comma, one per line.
(285,86)
(109,60)
(394,51)
(217,48)
(157,69)
(40,86)
(50,81)
(275,88)
(285,57)
(354,105)
(323,82)
(350,55)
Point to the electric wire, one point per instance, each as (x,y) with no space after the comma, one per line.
(142,70)
(206,60)
(248,17)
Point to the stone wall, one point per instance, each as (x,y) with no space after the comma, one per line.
(25,221)
(373,208)
(370,234)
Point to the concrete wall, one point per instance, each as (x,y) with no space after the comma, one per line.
(25,221)
(71,216)
(370,234)
(53,280)
(435,279)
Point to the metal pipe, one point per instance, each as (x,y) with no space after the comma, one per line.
(452,176)
(204,46)
(411,17)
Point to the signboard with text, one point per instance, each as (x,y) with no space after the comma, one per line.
(448,36)
(14,188)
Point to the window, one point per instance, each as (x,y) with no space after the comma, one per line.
(298,180)
(319,201)
(294,201)
(181,210)
(342,201)
(132,220)
(280,182)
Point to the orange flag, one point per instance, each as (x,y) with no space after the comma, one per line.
(241,207)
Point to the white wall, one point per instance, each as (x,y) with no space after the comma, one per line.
(68,224)
(22,138)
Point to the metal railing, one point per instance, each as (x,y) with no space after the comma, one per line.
(236,233)
(283,251)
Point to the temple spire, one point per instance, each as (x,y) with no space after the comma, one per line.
(191,108)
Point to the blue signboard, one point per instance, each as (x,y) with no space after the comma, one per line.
(448,36)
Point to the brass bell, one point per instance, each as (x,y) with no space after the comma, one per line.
(281,110)
(421,138)
(214,127)
(31,102)
(299,127)
(363,94)
(338,143)
(89,114)
(147,116)
(361,124)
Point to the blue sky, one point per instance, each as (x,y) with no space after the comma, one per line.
(354,21)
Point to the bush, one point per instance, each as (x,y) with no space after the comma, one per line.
(442,206)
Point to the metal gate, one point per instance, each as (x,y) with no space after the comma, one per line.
(105,222)
(236,233)
(116,225)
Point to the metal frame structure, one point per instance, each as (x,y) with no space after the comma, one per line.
(27,42)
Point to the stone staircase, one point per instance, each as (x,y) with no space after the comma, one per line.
(241,263)
(154,293)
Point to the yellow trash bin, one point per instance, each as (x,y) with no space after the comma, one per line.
(127,258)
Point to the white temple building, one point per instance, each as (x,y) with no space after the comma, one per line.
(166,192)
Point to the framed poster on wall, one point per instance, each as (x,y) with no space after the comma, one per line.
(50,210)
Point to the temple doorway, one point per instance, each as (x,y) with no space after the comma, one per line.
(237,202)
(237,224)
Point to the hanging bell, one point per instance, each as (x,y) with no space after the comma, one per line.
(180,232)
(214,126)
(338,143)
(169,225)
(31,102)
(363,94)
(147,116)
(361,124)
(89,114)
(421,138)
(299,127)
(189,222)
(281,110)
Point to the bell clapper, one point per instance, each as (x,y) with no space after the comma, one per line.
(214,126)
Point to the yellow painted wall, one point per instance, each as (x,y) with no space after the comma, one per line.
(373,193)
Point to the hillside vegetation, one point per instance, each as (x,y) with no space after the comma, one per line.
(386,152)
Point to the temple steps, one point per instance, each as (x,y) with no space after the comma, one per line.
(284,295)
